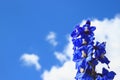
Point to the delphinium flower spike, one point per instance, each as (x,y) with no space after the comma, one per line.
(88,53)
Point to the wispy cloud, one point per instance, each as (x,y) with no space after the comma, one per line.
(67,70)
(60,56)
(30,60)
(51,37)
(107,30)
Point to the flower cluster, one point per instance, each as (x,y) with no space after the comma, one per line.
(87,54)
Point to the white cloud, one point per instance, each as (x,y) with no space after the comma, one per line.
(51,37)
(60,56)
(66,54)
(67,70)
(30,59)
(107,30)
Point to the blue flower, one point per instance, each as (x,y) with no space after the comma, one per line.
(99,49)
(109,75)
(100,52)
(77,42)
(85,32)
(77,31)
(83,52)
(87,54)
(106,75)
(77,55)
(88,30)
(104,59)
(81,64)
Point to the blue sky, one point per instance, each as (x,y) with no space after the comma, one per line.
(25,24)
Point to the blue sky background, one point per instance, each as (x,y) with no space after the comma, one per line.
(24,25)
